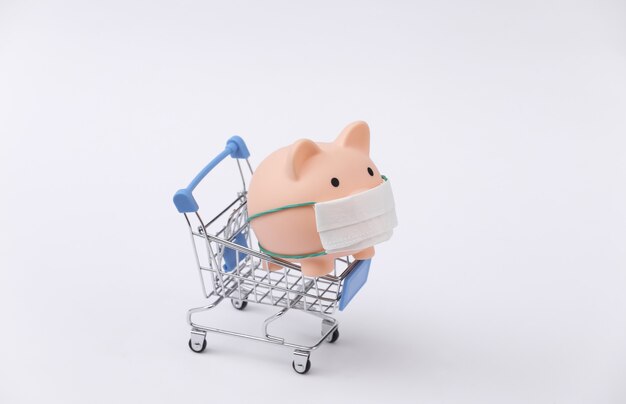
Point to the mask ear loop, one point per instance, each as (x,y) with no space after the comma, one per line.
(273,254)
(281,208)
(293,205)
(265,212)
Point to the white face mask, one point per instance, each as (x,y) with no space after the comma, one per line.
(357,221)
(351,223)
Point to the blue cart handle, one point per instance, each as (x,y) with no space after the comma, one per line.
(183,198)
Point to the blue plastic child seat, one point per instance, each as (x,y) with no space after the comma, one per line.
(230,255)
(354,282)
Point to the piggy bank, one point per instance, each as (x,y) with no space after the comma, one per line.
(312,202)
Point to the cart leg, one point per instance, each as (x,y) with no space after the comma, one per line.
(267,322)
(327,326)
(197,342)
(301,363)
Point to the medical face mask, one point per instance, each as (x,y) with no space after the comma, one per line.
(351,223)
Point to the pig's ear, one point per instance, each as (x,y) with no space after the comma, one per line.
(355,136)
(300,152)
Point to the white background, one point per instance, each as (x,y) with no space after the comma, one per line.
(501,124)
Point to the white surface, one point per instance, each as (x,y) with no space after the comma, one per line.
(502,125)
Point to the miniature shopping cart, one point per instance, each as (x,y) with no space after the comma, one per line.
(231,269)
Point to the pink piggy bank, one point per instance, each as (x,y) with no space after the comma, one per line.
(312,202)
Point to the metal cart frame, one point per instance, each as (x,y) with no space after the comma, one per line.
(230,269)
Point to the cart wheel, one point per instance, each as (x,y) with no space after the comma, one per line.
(239,304)
(302,371)
(333,337)
(195,348)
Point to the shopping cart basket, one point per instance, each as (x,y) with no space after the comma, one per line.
(231,269)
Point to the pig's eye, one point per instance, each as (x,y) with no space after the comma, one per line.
(335,182)
(370,171)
